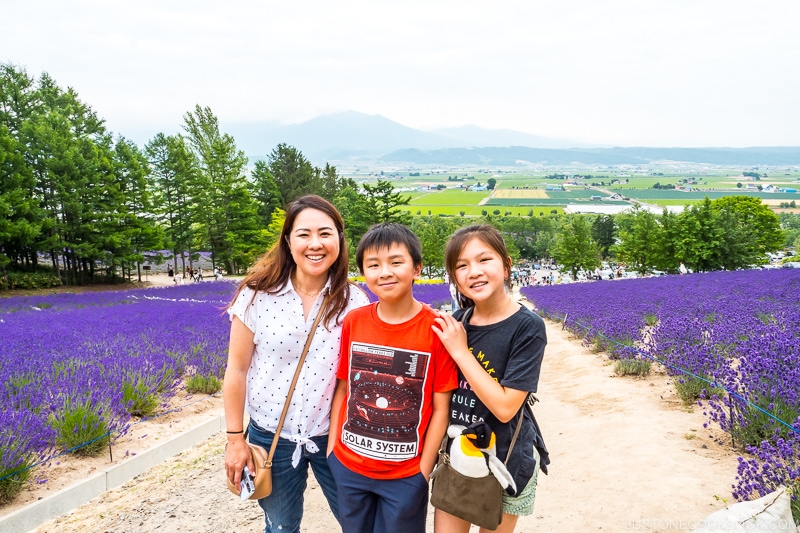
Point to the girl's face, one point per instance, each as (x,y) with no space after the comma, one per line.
(480,272)
(314,243)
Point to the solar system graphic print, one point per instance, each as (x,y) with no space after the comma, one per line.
(385,404)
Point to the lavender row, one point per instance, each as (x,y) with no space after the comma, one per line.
(738,333)
(78,363)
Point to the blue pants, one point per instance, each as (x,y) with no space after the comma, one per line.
(283,509)
(369,505)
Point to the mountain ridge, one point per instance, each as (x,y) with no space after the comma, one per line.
(353,136)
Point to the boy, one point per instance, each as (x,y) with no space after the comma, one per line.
(390,408)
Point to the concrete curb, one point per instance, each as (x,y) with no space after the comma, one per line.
(69,498)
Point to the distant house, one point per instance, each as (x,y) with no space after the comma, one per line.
(477,188)
(751,186)
(769,188)
(596,197)
(786,189)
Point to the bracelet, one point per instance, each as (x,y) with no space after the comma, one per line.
(234,432)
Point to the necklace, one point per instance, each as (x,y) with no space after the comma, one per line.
(309,294)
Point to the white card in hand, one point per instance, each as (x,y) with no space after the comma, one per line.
(247,485)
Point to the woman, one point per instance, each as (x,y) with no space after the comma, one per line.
(271,315)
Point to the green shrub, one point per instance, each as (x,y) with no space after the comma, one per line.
(12,485)
(140,399)
(760,426)
(632,367)
(690,389)
(203,384)
(78,423)
(32,280)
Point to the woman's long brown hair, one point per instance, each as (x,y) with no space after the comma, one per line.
(273,270)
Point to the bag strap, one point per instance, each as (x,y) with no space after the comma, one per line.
(443,445)
(516,431)
(295,378)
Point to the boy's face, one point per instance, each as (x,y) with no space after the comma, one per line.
(390,272)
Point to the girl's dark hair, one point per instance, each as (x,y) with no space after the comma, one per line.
(489,235)
(272,271)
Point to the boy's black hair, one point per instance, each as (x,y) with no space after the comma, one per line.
(383,236)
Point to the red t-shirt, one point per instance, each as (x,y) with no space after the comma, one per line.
(392,371)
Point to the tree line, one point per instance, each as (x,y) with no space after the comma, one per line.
(86,206)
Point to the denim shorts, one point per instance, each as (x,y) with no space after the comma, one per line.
(522,505)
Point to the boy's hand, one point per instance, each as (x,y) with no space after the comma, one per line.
(452,334)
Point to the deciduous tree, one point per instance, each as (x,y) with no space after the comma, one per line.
(574,247)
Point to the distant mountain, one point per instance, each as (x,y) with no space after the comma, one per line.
(476,136)
(351,134)
(520,155)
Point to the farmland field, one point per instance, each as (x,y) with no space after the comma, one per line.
(449,197)
(520,193)
(695,196)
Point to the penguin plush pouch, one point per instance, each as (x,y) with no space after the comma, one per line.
(469,481)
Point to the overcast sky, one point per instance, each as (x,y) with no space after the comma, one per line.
(625,72)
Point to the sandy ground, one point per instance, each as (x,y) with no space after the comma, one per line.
(626,456)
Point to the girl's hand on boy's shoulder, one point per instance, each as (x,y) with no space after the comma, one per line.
(451,332)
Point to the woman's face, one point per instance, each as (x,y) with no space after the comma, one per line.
(314,243)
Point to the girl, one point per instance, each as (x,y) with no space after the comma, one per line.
(498,349)
(271,315)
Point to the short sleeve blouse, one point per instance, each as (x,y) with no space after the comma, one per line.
(280,332)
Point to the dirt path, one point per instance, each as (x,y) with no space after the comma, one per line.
(626,455)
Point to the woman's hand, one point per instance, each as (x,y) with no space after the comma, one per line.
(237,455)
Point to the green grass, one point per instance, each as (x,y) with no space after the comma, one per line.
(448,197)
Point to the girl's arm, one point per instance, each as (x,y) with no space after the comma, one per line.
(440,416)
(503,402)
(234,388)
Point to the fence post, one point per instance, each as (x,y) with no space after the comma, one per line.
(733,421)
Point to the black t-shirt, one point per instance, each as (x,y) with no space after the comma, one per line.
(510,351)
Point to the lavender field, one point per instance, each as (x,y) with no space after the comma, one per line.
(731,341)
(75,368)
